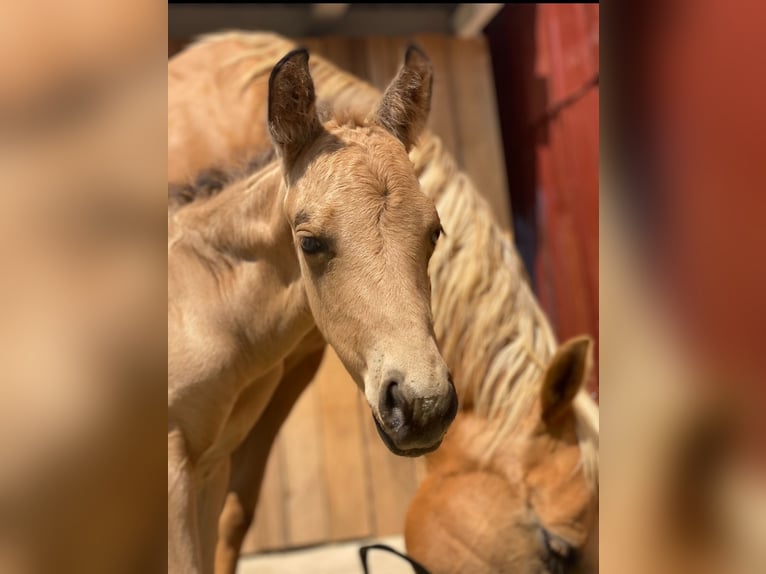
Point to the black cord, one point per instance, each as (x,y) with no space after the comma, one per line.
(417,568)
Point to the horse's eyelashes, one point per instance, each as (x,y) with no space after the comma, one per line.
(436,234)
(312,245)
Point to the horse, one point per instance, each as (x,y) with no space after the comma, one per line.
(488,323)
(512,493)
(330,238)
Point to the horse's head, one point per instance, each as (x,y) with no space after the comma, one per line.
(531,509)
(364,234)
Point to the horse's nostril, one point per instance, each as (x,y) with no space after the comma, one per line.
(390,396)
(394,408)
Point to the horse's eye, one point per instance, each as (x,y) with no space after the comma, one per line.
(311,245)
(558,553)
(435,235)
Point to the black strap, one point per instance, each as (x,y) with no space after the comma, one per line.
(418,569)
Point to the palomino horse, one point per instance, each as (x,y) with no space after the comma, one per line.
(516,497)
(334,235)
(489,326)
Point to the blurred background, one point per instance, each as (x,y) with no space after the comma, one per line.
(516,102)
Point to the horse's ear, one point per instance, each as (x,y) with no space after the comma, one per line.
(403,111)
(565,376)
(293,119)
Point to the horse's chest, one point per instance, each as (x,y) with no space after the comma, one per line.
(245,411)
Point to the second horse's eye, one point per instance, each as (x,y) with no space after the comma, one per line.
(311,245)
(435,235)
(558,554)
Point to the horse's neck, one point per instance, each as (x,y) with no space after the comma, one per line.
(245,271)
(242,219)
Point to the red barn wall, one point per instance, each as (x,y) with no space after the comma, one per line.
(546,66)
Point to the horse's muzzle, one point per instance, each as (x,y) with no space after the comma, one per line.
(409,428)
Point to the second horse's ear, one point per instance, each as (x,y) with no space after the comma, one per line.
(293,119)
(404,109)
(565,376)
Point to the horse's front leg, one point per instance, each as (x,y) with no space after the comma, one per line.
(184,556)
(210,503)
(248,462)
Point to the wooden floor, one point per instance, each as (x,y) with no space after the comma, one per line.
(330,478)
(331,558)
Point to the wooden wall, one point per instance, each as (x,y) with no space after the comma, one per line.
(329,476)
(546,66)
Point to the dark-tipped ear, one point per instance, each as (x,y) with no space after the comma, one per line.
(565,376)
(406,102)
(293,119)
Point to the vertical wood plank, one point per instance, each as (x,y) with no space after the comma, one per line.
(476,117)
(568,172)
(440,120)
(306,503)
(560,237)
(579,135)
(268,530)
(342,449)
(397,46)
(587,17)
(381,66)
(339,51)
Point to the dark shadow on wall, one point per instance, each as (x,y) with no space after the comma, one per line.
(521,100)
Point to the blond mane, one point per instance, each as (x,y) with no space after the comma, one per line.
(489,324)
